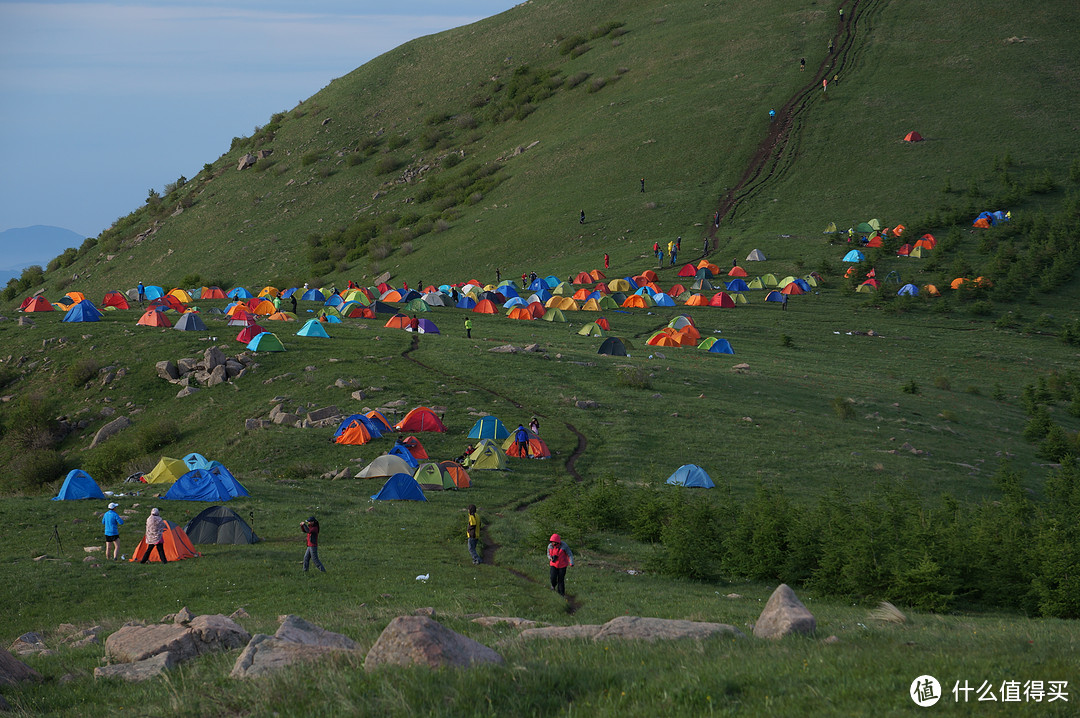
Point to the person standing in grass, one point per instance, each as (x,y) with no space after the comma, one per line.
(155,536)
(414,324)
(534,426)
(559,558)
(311,528)
(582,220)
(112,522)
(468,328)
(473,532)
(521,438)
(293,298)
(606,259)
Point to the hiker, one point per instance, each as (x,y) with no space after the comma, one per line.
(404,287)
(705,247)
(678,244)
(498,276)
(824,84)
(582,220)
(830,46)
(112,522)
(142,293)
(534,426)
(277,303)
(293,298)
(716,219)
(656,249)
(464,458)
(454,294)
(783,302)
(311,528)
(414,325)
(802,64)
(523,284)
(660,256)
(155,538)
(674,253)
(473,532)
(772,118)
(606,265)
(734,262)
(841,15)
(559,558)
(670,247)
(521,438)
(642,184)
(468,328)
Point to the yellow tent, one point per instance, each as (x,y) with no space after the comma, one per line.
(167,471)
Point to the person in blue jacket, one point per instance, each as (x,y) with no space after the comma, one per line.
(112,522)
(521,438)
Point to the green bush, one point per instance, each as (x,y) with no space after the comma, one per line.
(910,388)
(843,408)
(691,542)
(386,164)
(108,463)
(310,158)
(396,142)
(161,433)
(923,587)
(30,470)
(81,372)
(633,377)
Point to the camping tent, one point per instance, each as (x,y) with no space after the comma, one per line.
(266,342)
(854,256)
(613,346)
(195,460)
(537,448)
(354,431)
(205,485)
(39,304)
(78,485)
(84,311)
(909,290)
(457,473)
(400,487)
(716,345)
(755,256)
(190,322)
(913,137)
(385,465)
(420,419)
(167,471)
(219,524)
(402,452)
(312,328)
(690,475)
(431,475)
(488,427)
(486,456)
(177,545)
(153,318)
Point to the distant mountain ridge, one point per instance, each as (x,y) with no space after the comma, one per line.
(21,247)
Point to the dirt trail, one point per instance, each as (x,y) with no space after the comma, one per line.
(778,151)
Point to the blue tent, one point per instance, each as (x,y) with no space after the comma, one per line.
(206,485)
(465,302)
(375,428)
(552,281)
(508,290)
(540,295)
(314,295)
(775,296)
(288,293)
(662,300)
(234,293)
(153,292)
(312,328)
(488,427)
(402,452)
(691,475)
(196,461)
(514,302)
(538,284)
(78,485)
(400,487)
(84,311)
(854,256)
(802,284)
(719,346)
(908,290)
(737,285)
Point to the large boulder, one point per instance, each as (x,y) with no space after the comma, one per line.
(265,654)
(655,629)
(296,630)
(167,370)
(28,643)
(783,615)
(213,357)
(418,640)
(217,376)
(12,670)
(112,428)
(139,670)
(203,634)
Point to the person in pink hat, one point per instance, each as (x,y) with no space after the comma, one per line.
(559,558)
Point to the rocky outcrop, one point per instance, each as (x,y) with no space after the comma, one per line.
(111,429)
(214,367)
(418,640)
(662,629)
(138,670)
(296,641)
(203,634)
(12,670)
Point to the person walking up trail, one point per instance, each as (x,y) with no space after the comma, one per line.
(473,532)
(559,558)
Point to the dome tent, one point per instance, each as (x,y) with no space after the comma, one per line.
(691,475)
(219,524)
(78,485)
(400,487)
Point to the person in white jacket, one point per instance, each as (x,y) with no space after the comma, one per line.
(155,536)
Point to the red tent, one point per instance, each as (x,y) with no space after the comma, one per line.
(420,419)
(248,333)
(415,448)
(115,299)
(38,304)
(177,545)
(154,318)
(913,137)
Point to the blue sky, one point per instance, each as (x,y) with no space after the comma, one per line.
(99,102)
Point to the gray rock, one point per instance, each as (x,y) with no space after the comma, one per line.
(504,349)
(654,629)
(588,631)
(137,671)
(107,411)
(187,365)
(25,322)
(359,395)
(12,670)
(511,621)
(183,616)
(324,413)
(167,370)
(111,429)
(186,391)
(239,613)
(204,634)
(586,404)
(265,655)
(200,377)
(217,376)
(252,424)
(213,357)
(287,419)
(27,643)
(246,161)
(233,368)
(783,615)
(418,640)
(296,630)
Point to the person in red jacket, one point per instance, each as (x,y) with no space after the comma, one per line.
(311,528)
(559,558)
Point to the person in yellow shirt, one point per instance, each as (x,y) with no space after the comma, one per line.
(473,532)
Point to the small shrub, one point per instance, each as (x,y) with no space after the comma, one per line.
(151,437)
(949,415)
(406,247)
(597,84)
(30,470)
(451,160)
(943,383)
(576,79)
(396,142)
(109,461)
(354,159)
(380,251)
(386,164)
(441,225)
(300,470)
(843,408)
(580,50)
(910,388)
(633,377)
(310,158)
(467,121)
(82,371)
(972,389)
(787,342)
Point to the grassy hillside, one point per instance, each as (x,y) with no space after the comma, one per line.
(913,449)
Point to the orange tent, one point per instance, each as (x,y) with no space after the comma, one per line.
(932,290)
(392,296)
(676,290)
(737,272)
(696,300)
(956,283)
(686,338)
(39,304)
(484,306)
(582,294)
(177,546)
(793,289)
(281,317)
(634,301)
(597,275)
(264,308)
(690,330)
(650,276)
(420,419)
(913,137)
(269,292)
(377,415)
(537,309)
(521,313)
(398,321)
(537,448)
(355,434)
(75,297)
(603,324)
(982,223)
(154,318)
(924,244)
(898,230)
(661,340)
(457,473)
(583,278)
(115,299)
(212,293)
(930,239)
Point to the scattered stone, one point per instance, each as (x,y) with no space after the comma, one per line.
(183,616)
(28,643)
(252,424)
(239,613)
(12,670)
(740,368)
(111,429)
(586,404)
(296,630)
(186,391)
(137,671)
(426,611)
(783,615)
(204,634)
(323,414)
(359,395)
(248,160)
(733,596)
(654,629)
(511,621)
(412,640)
(583,630)
(831,640)
(265,655)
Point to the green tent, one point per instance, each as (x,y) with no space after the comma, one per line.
(554,315)
(487,455)
(432,476)
(592,329)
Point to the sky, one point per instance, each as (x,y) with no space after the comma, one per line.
(100,102)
